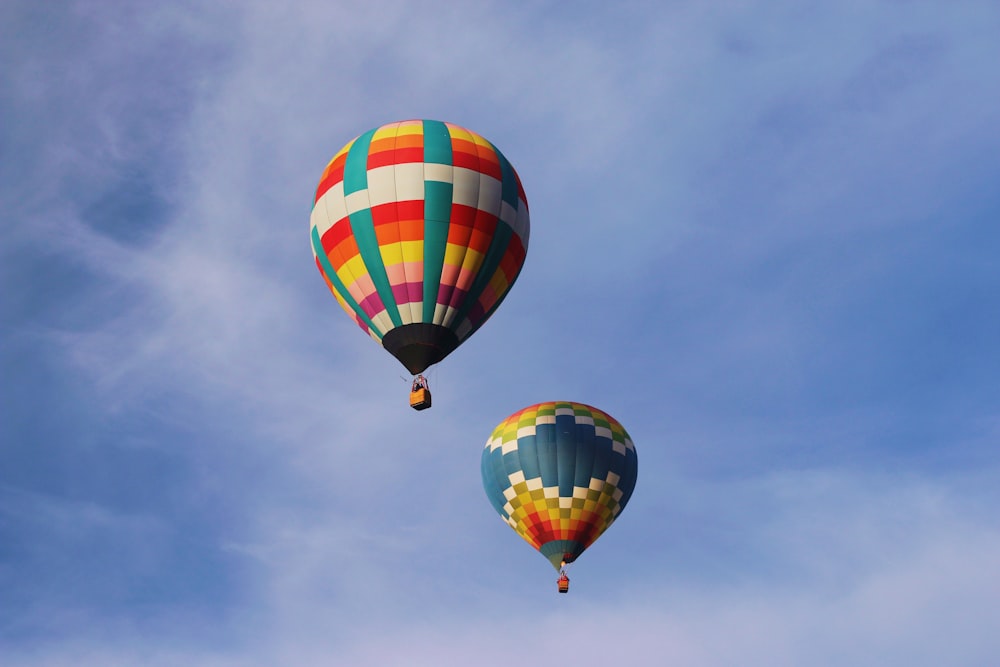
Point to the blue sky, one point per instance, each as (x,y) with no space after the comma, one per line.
(764,238)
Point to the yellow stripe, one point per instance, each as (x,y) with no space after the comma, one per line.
(413,251)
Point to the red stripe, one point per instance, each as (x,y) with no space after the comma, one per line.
(406,154)
(330,179)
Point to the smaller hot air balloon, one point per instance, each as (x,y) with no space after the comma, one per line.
(559,474)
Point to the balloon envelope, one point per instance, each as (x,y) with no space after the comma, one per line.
(559,473)
(419,229)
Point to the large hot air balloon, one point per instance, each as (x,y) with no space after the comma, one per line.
(559,474)
(419,229)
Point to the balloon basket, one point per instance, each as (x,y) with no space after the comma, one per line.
(420,399)
(564,584)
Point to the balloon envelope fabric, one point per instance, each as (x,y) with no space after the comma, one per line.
(419,229)
(559,473)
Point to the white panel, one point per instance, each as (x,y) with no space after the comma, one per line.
(463,330)
(508,214)
(466,190)
(438,172)
(416,311)
(580,492)
(534,483)
(509,446)
(409,181)
(490,190)
(585,419)
(560,412)
(331,204)
(526,430)
(565,503)
(381,185)
(509,493)
(319,220)
(618,447)
(516,477)
(383,321)
(522,226)
(603,431)
(550,491)
(445,315)
(545,419)
(613,479)
(357,201)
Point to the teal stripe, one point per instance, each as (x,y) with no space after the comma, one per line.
(437,143)
(356,164)
(363,228)
(437,213)
(508,185)
(338,284)
(438,198)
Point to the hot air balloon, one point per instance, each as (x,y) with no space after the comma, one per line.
(419,229)
(559,473)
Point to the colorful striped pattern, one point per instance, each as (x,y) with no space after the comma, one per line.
(559,474)
(419,222)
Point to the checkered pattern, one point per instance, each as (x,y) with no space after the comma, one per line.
(419,222)
(559,474)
